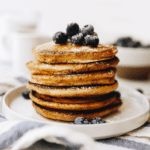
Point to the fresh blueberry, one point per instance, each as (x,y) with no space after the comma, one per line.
(88,30)
(2,94)
(77,39)
(136,44)
(60,38)
(95,34)
(25,94)
(72,29)
(114,44)
(118,94)
(124,42)
(141,91)
(81,120)
(80,31)
(91,40)
(97,120)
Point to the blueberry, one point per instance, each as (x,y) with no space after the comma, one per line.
(97,120)
(72,29)
(2,94)
(25,94)
(81,120)
(136,44)
(77,39)
(91,40)
(124,42)
(118,94)
(80,31)
(95,34)
(141,91)
(114,44)
(60,38)
(88,30)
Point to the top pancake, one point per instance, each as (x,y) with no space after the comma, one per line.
(70,53)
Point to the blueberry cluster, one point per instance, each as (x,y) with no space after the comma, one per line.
(86,36)
(82,120)
(129,42)
(25,94)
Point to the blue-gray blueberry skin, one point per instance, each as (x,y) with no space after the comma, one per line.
(81,121)
(25,94)
(72,29)
(87,30)
(60,38)
(91,40)
(77,39)
(75,35)
(97,120)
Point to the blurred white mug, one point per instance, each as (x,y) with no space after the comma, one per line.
(15,22)
(22,43)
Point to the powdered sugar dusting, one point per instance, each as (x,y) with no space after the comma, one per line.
(51,46)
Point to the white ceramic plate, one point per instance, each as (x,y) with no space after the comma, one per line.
(132,114)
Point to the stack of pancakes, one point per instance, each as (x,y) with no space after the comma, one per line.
(70,81)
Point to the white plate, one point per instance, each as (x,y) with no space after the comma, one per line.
(132,114)
(144,85)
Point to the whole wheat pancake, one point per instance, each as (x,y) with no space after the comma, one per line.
(67,115)
(74,91)
(74,100)
(76,107)
(100,77)
(70,53)
(39,68)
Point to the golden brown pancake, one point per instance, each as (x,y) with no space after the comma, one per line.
(74,100)
(74,91)
(100,77)
(39,68)
(70,81)
(72,115)
(70,53)
(76,107)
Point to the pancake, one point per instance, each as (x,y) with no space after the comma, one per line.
(74,91)
(75,100)
(72,115)
(76,107)
(101,77)
(39,68)
(70,53)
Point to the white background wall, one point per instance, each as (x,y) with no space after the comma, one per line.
(111,18)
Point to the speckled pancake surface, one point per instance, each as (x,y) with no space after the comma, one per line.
(73,100)
(70,53)
(39,68)
(67,115)
(74,91)
(75,107)
(100,77)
